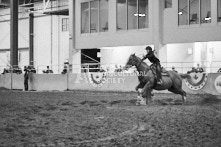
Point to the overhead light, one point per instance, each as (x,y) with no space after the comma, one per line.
(208,18)
(140,15)
(180,13)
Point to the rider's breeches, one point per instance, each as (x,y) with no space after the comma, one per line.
(158,70)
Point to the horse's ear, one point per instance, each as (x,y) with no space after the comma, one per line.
(133,54)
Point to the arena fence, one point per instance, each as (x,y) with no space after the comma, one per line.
(200,83)
(180,67)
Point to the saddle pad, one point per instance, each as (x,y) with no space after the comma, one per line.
(164,72)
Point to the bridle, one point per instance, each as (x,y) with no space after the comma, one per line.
(134,63)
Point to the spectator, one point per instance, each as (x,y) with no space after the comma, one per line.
(193,70)
(26,77)
(48,70)
(65,70)
(17,70)
(102,70)
(199,68)
(31,69)
(83,70)
(120,69)
(173,69)
(5,71)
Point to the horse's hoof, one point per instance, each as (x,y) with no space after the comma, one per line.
(137,104)
(143,103)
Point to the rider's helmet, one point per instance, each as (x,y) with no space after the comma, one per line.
(149,48)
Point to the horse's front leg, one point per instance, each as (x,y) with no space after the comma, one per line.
(140,99)
(146,92)
(138,86)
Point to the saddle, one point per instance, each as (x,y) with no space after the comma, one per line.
(164,72)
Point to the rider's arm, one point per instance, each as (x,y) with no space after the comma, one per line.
(144,57)
(149,55)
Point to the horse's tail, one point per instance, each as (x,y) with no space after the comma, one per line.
(184,76)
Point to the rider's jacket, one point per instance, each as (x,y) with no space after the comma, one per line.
(152,58)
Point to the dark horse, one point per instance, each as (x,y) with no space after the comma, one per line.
(147,81)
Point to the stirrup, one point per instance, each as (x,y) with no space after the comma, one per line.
(160,82)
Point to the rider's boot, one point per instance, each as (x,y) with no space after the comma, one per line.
(159,81)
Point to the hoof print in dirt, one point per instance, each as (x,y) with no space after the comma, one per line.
(90,103)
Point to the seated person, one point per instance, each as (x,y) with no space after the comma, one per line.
(32,69)
(120,69)
(102,70)
(194,70)
(47,70)
(17,70)
(173,69)
(65,69)
(5,71)
(199,69)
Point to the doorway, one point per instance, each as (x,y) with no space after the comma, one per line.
(90,60)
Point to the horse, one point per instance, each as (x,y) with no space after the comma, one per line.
(172,81)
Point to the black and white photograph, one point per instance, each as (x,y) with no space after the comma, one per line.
(110,73)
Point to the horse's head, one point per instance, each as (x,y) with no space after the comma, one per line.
(132,61)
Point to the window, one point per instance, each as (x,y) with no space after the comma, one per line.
(168,4)
(143,12)
(103,15)
(219,10)
(121,15)
(205,7)
(183,12)
(132,14)
(194,12)
(65,24)
(94,16)
(84,17)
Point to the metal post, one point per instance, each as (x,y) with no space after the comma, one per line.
(31,34)
(14,33)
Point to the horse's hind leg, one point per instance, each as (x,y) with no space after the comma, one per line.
(179,91)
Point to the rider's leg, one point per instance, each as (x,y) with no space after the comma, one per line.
(158,70)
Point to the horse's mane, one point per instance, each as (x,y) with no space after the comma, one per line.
(144,63)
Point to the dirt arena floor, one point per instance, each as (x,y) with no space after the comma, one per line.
(109,119)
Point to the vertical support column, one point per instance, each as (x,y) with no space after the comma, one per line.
(72,50)
(31,34)
(51,61)
(14,33)
(158,7)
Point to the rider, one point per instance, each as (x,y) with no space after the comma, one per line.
(153,59)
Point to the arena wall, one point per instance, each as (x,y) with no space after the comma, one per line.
(48,82)
(5,81)
(200,83)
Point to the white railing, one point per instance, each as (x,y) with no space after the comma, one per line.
(181,67)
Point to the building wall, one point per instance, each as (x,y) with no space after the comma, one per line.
(190,33)
(171,41)
(112,38)
(171,32)
(51,44)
